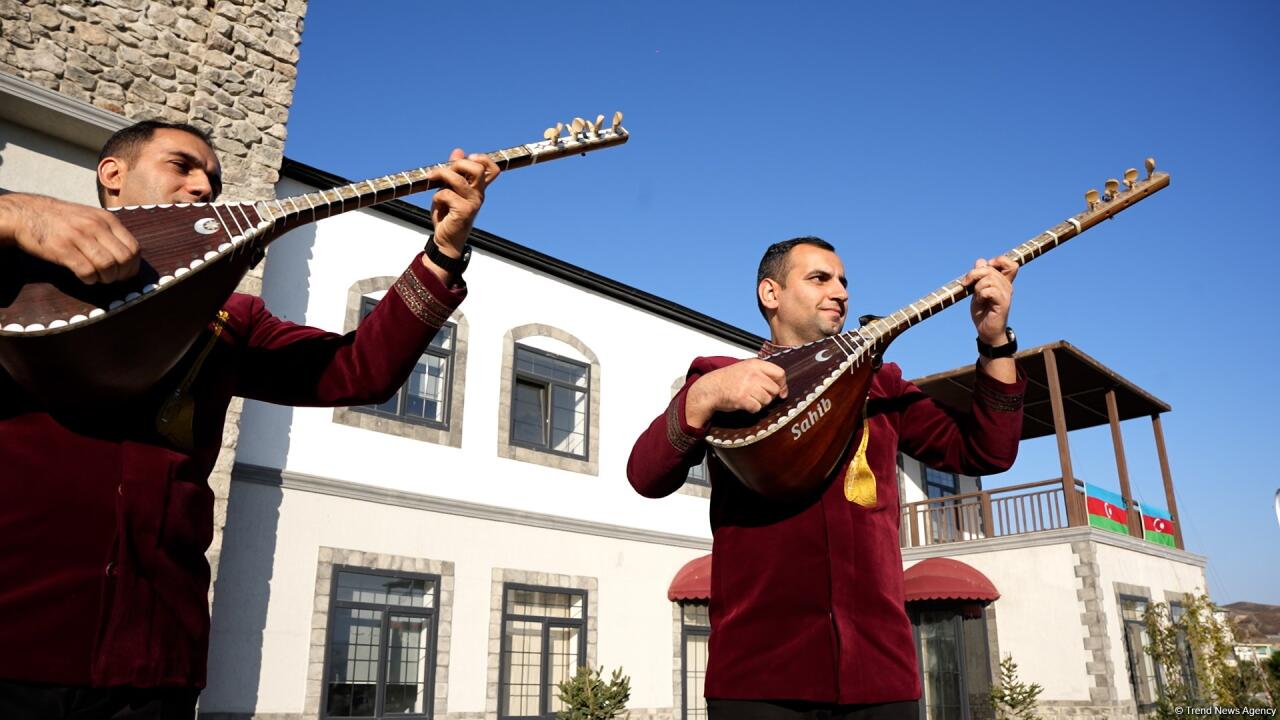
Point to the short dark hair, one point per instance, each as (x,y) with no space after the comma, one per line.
(126,142)
(774,264)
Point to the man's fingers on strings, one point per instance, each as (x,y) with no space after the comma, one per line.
(1007,266)
(472,170)
(491,169)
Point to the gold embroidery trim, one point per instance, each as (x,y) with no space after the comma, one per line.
(997,400)
(424,306)
(679,439)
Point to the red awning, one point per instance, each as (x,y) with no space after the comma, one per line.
(693,582)
(946,579)
(932,579)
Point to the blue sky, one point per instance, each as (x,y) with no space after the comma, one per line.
(916,137)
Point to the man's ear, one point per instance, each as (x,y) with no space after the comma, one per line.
(767,292)
(111,173)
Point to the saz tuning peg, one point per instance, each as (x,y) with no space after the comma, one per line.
(1113,188)
(1151,166)
(617,121)
(1091,199)
(1130,177)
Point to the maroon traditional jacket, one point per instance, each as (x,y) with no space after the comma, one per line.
(806,599)
(104,524)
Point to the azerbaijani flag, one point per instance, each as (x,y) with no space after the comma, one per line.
(1106,510)
(1157,525)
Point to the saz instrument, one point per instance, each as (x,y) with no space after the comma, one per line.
(790,448)
(71,344)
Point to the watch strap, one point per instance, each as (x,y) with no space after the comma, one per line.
(992,352)
(454,266)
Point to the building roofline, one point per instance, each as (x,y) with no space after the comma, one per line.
(541,262)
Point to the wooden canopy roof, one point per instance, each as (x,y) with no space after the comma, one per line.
(1084,382)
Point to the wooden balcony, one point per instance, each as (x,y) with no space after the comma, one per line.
(1067,390)
(1000,512)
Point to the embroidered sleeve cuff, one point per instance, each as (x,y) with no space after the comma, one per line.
(681,436)
(1001,396)
(425,296)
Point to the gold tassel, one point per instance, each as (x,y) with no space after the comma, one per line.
(860,481)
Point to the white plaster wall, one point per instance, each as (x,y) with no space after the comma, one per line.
(265,671)
(36,163)
(1158,574)
(1038,616)
(307,278)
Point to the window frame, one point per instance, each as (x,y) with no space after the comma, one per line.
(429,670)
(954,488)
(956,622)
(549,383)
(446,401)
(544,666)
(686,631)
(1186,654)
(1130,660)
(705,480)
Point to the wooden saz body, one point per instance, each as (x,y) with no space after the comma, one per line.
(786,451)
(88,345)
(77,347)
(790,449)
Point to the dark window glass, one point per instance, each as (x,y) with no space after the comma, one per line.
(955,662)
(549,402)
(424,398)
(698,474)
(1142,671)
(380,651)
(695,634)
(1186,657)
(940,484)
(543,644)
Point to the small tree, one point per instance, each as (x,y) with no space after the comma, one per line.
(586,696)
(1194,656)
(1012,699)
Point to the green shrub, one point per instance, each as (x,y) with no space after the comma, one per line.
(586,696)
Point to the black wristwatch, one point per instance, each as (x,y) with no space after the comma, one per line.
(992,352)
(453,266)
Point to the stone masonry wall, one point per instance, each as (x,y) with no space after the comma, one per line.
(226,66)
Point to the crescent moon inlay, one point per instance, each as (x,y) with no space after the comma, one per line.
(823,356)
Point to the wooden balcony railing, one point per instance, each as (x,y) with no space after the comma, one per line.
(1013,510)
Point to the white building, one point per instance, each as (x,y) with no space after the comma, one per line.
(457,551)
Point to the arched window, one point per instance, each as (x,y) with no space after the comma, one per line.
(429,405)
(549,406)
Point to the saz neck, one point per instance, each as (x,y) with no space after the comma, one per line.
(879,333)
(288,213)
